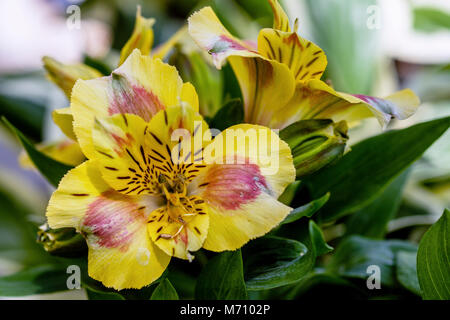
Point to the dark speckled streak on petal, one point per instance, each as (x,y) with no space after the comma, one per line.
(141,86)
(132,98)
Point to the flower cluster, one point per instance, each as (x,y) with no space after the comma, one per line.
(153,182)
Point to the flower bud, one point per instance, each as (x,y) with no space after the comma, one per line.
(63,242)
(141,38)
(315,143)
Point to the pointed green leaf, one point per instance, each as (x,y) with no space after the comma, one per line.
(317,240)
(363,173)
(433,260)
(222,278)
(272,262)
(164,291)
(51,169)
(289,193)
(306,210)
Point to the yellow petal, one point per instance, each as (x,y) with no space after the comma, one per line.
(142,37)
(305,59)
(141,86)
(209,33)
(65,76)
(176,138)
(252,167)
(121,255)
(189,95)
(122,154)
(66,151)
(316,100)
(230,231)
(132,153)
(266,87)
(178,231)
(280,18)
(64,120)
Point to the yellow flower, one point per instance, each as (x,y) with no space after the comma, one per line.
(280,78)
(65,76)
(155,185)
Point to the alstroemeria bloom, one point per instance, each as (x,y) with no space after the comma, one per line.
(155,185)
(280,79)
(65,75)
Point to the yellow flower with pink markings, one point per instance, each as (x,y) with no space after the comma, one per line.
(156,183)
(280,76)
(66,75)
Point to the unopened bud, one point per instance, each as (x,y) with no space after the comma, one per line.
(63,242)
(315,143)
(142,37)
(65,76)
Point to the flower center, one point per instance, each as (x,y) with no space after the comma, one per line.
(179,207)
(173,190)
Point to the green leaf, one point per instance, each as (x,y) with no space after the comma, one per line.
(222,278)
(230,114)
(306,210)
(430,19)
(363,173)
(433,262)
(289,193)
(27,115)
(272,262)
(36,280)
(318,242)
(101,295)
(53,170)
(183,282)
(354,254)
(371,221)
(407,271)
(165,291)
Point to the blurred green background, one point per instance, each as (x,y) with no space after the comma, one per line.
(373,47)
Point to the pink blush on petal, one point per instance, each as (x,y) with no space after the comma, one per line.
(232,185)
(135,100)
(112,220)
